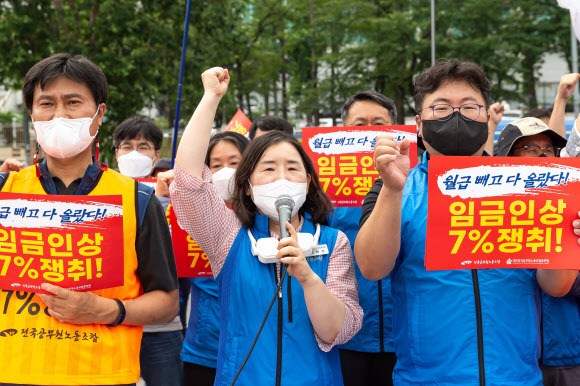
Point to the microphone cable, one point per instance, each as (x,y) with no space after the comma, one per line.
(278,289)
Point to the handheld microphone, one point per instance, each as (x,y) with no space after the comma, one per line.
(284,206)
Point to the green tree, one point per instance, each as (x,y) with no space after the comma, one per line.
(133,42)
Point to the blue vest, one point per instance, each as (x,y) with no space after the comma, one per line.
(561,330)
(287,346)
(376,334)
(203,328)
(439,338)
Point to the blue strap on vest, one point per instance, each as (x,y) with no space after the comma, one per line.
(143,196)
(3,179)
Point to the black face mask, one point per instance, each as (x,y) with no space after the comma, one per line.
(455,136)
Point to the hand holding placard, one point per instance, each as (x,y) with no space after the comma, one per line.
(78,307)
(392,161)
(576,225)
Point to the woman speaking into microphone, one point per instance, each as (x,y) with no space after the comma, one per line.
(315,306)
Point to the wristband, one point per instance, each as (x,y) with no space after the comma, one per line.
(122,314)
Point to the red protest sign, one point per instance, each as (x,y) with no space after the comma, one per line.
(191,261)
(70,241)
(343,158)
(500,212)
(239,123)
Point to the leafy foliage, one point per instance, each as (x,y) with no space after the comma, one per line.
(296,55)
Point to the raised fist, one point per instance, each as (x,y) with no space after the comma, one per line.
(567,85)
(495,113)
(216,81)
(392,161)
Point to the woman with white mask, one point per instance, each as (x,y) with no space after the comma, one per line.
(200,346)
(316,304)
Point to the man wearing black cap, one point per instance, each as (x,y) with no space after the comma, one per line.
(560,362)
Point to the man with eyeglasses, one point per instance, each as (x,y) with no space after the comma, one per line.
(137,141)
(529,137)
(560,364)
(450,327)
(367,358)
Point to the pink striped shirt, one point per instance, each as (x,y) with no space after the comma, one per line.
(204,215)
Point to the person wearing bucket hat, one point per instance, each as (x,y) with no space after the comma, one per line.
(529,137)
(560,363)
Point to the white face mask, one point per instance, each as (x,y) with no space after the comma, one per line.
(63,137)
(265,196)
(223,180)
(135,164)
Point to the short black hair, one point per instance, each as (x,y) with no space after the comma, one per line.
(431,79)
(538,113)
(136,126)
(76,68)
(269,123)
(236,139)
(372,96)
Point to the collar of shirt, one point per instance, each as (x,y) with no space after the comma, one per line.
(88,181)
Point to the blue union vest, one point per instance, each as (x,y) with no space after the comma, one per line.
(561,330)
(435,322)
(287,345)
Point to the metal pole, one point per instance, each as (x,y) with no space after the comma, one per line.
(179,87)
(574,43)
(432,32)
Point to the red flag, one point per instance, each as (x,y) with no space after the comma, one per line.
(239,123)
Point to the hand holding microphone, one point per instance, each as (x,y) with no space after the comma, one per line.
(289,251)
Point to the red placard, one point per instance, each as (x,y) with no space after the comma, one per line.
(74,242)
(500,212)
(191,261)
(343,158)
(240,123)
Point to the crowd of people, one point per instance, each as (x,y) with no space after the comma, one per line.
(355,307)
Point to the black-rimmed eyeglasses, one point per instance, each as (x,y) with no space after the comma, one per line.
(443,112)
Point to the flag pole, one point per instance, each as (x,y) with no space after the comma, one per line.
(180,86)
(574,43)
(432,32)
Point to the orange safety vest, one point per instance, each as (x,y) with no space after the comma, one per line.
(48,352)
